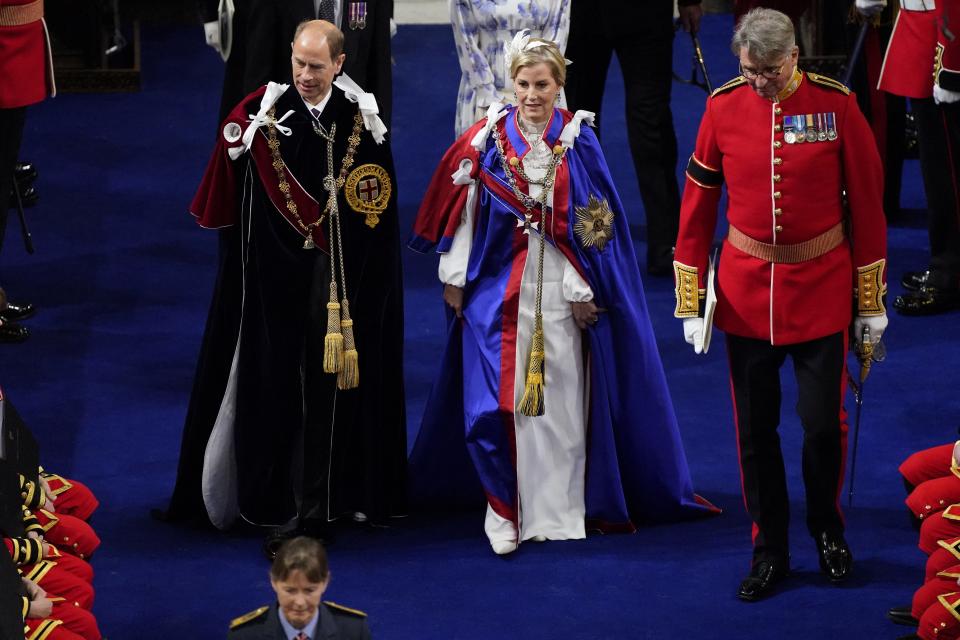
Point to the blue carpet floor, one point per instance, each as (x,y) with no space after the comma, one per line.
(123,278)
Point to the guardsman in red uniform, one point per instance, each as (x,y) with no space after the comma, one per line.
(923,64)
(27,72)
(788,145)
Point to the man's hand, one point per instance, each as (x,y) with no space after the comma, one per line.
(453,296)
(40,607)
(693,333)
(870,8)
(48,492)
(690,17)
(876,324)
(585,313)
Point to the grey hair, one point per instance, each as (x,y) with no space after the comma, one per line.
(766,34)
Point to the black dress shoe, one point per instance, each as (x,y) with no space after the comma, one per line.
(902,615)
(836,561)
(12,332)
(914,280)
(17,312)
(24,173)
(763,576)
(927,301)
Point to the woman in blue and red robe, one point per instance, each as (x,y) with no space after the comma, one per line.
(606,452)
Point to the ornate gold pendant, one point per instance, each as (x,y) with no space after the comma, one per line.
(368,192)
(594,226)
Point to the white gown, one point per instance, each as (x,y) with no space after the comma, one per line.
(551,449)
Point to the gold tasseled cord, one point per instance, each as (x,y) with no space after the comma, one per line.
(531,404)
(349,375)
(333,342)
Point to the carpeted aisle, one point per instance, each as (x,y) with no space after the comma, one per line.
(122,277)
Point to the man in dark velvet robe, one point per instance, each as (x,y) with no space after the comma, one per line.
(269,436)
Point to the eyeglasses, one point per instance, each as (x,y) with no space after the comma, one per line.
(770,73)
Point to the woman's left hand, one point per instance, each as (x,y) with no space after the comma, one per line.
(585,313)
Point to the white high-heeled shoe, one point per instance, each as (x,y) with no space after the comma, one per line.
(503,547)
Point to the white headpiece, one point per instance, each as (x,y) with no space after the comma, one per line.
(520,43)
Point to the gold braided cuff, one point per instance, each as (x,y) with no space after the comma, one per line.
(870,289)
(689,294)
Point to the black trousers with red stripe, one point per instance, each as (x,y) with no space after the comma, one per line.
(755,376)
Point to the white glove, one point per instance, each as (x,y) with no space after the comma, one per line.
(693,333)
(211,30)
(870,8)
(943,96)
(876,324)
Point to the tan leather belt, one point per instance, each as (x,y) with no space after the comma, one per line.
(788,253)
(20,14)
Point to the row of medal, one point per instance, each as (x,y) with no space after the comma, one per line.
(810,127)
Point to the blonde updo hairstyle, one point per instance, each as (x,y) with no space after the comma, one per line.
(542,51)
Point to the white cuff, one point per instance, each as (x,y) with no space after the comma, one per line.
(575,288)
(211,31)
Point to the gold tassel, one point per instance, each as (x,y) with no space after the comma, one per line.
(333,342)
(532,404)
(349,376)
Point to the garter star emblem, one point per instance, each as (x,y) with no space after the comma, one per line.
(368,191)
(594,226)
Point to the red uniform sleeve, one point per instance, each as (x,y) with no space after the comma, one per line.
(698,216)
(863,180)
(947,68)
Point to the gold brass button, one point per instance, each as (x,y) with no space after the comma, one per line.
(777,144)
(777,128)
(778,228)
(778,212)
(778,161)
(776,194)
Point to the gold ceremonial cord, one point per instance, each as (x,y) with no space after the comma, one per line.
(532,402)
(340,351)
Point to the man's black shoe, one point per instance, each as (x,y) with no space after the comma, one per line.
(836,561)
(914,280)
(927,302)
(902,615)
(763,576)
(17,312)
(24,173)
(12,332)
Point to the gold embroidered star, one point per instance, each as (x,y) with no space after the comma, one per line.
(594,224)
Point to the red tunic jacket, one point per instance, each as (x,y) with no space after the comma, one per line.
(908,64)
(783,194)
(26,72)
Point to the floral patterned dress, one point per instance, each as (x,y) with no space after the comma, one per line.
(480,29)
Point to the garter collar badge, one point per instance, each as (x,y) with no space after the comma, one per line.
(368,190)
(594,226)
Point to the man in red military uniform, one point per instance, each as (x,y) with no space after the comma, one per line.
(922,64)
(27,73)
(787,144)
